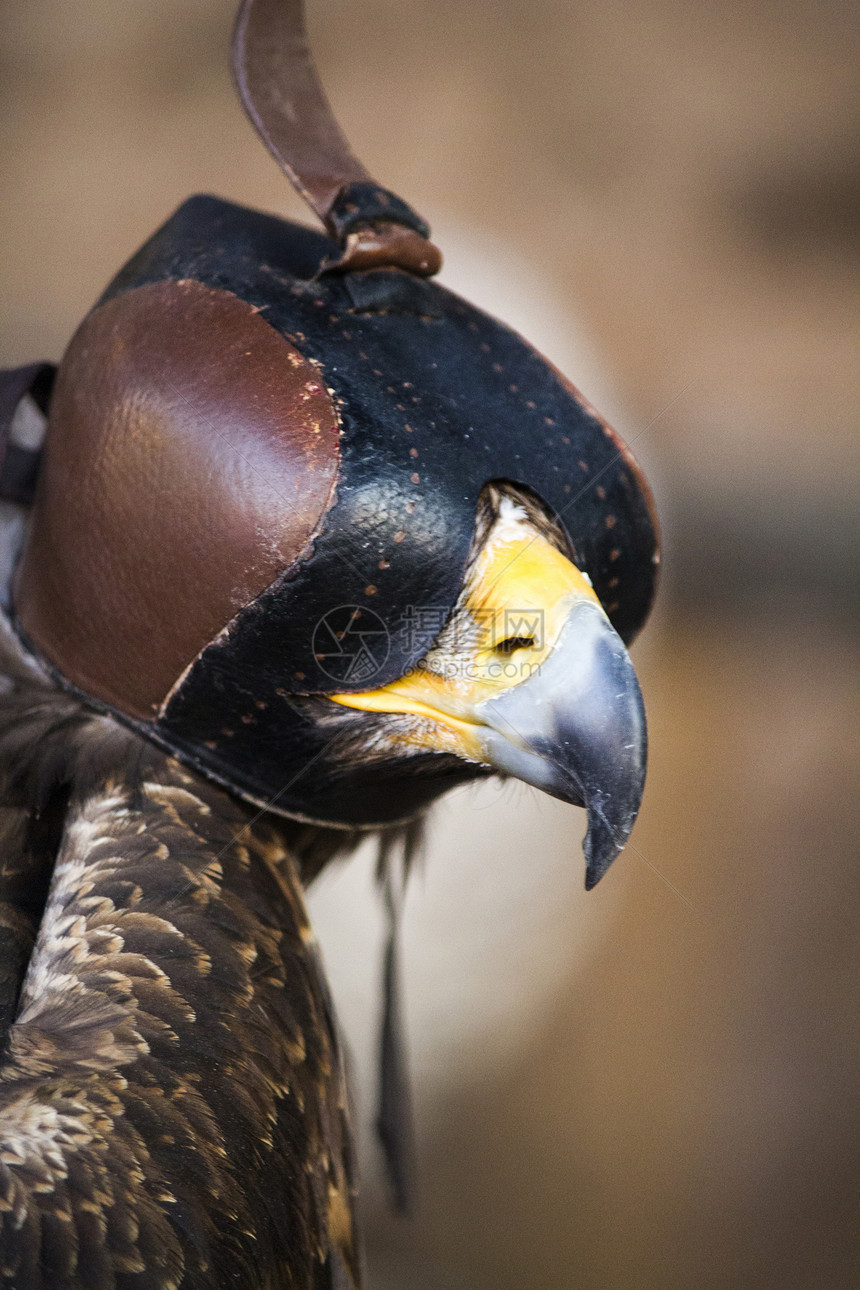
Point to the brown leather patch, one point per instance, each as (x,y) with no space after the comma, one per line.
(191,453)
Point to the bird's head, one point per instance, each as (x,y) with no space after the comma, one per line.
(327,532)
(526,677)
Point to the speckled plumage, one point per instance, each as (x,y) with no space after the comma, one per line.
(172,1100)
(172,1097)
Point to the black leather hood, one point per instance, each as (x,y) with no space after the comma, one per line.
(435,399)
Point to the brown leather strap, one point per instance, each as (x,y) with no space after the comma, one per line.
(282,94)
(398,851)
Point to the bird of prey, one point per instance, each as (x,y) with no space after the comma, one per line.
(309,541)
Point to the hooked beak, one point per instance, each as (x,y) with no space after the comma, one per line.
(564,713)
(576,729)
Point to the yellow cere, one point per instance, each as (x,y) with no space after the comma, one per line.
(521,591)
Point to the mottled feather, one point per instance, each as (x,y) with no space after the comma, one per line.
(172,1098)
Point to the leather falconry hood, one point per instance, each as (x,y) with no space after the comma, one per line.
(265,444)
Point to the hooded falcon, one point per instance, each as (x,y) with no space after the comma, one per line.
(297,540)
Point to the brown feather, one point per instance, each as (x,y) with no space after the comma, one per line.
(173,1107)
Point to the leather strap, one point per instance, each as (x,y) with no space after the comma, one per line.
(394,1120)
(19,466)
(278,84)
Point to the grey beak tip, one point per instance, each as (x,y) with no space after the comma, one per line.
(604,841)
(596,866)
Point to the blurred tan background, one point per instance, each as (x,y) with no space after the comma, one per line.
(654,1087)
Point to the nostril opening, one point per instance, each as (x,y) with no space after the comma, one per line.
(513,643)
